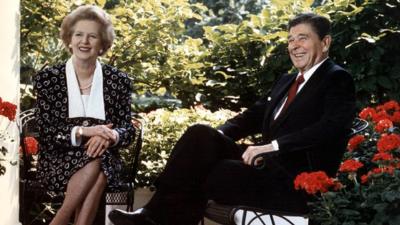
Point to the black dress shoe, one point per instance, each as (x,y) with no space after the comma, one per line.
(139,217)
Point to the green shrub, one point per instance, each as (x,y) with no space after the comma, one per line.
(162,129)
(230,65)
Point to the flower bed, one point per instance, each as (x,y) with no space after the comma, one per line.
(366,189)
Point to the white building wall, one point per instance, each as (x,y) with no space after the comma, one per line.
(9,84)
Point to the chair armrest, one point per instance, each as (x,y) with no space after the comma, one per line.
(136,120)
(358,126)
(263,156)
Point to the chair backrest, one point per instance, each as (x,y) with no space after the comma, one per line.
(130,155)
(26,120)
(124,194)
(27,128)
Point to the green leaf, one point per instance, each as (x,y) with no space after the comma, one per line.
(391,196)
(308,3)
(394,220)
(384,82)
(350,212)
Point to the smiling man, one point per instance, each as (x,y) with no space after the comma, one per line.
(304,121)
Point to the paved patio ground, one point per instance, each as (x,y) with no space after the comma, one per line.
(141,198)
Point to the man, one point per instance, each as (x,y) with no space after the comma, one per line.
(304,121)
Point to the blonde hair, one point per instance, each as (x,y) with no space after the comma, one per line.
(93,13)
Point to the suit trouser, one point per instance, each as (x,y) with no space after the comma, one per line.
(205,164)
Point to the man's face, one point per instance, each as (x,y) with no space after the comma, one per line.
(305,47)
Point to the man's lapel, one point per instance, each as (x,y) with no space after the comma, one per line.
(276,96)
(304,94)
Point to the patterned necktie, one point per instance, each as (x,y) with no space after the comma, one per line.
(293,91)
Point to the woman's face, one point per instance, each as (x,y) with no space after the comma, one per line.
(85,41)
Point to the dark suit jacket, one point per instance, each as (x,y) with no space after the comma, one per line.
(312,132)
(58,159)
(54,125)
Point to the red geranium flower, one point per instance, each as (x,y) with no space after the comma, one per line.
(8,109)
(350,165)
(364,179)
(380,108)
(391,106)
(314,182)
(355,141)
(31,145)
(388,142)
(367,113)
(387,169)
(380,115)
(395,117)
(383,125)
(382,156)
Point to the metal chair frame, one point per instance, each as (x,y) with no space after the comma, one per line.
(31,187)
(225,214)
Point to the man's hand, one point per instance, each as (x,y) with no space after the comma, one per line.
(252,151)
(96,146)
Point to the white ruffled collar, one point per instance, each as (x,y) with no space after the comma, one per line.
(95,106)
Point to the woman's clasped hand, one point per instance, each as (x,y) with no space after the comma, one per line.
(101,137)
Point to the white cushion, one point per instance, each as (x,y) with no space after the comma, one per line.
(251,219)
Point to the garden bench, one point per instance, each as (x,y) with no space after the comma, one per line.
(245,215)
(32,191)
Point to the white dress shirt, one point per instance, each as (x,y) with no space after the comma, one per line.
(91,105)
(307,75)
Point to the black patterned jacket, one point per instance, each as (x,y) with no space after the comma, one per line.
(55,127)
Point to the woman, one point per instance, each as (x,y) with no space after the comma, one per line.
(83,115)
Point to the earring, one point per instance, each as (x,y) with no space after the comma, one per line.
(101,51)
(69,46)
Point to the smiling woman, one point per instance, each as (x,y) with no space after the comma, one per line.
(83,115)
